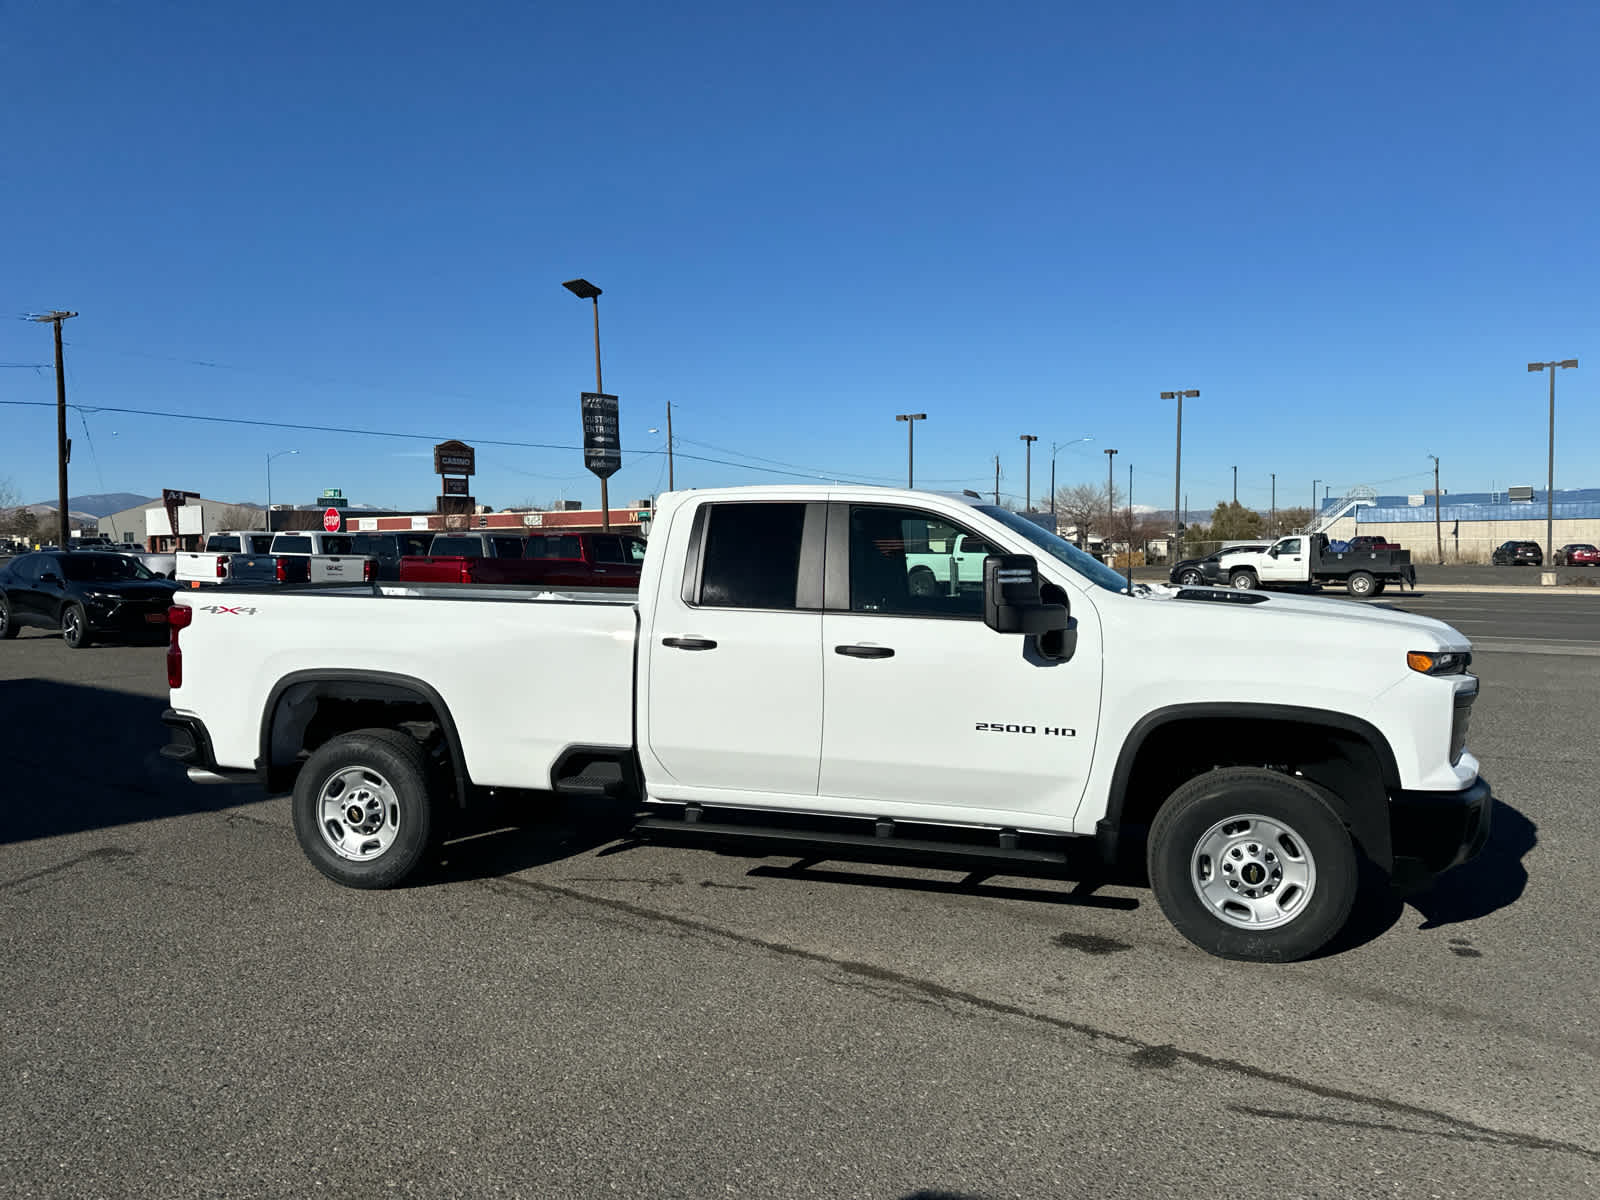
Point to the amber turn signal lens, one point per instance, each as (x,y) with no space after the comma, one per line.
(1419,661)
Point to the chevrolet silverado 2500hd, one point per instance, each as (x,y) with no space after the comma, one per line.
(781,682)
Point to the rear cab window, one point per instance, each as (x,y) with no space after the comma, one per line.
(750,556)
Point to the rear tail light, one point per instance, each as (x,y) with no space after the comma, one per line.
(222,566)
(367,571)
(178,618)
(278,571)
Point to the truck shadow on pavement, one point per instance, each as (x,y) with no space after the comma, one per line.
(77,758)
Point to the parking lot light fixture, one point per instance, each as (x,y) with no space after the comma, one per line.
(1550,476)
(911,420)
(270,457)
(1027,488)
(1056,448)
(1177,473)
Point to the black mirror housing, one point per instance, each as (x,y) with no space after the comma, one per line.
(1011,601)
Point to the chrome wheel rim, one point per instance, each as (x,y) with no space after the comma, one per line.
(1244,582)
(5,615)
(1253,872)
(358,813)
(1190,578)
(72,625)
(1361,586)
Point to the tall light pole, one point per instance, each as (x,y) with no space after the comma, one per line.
(1550,478)
(1027,488)
(1056,448)
(1274,504)
(1236,485)
(584,290)
(63,447)
(1177,472)
(1438,529)
(1314,484)
(911,420)
(270,457)
(1111,494)
(657,429)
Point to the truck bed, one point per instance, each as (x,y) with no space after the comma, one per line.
(524,672)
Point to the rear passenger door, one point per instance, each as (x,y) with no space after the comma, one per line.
(732,679)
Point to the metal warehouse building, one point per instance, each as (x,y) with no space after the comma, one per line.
(1472,523)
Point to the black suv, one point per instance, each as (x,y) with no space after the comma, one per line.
(1518,554)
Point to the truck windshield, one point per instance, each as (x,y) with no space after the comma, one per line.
(1087,565)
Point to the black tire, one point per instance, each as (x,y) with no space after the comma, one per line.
(1360,584)
(1245,581)
(1191,578)
(8,627)
(922,582)
(75,627)
(384,772)
(1244,814)
(1378,585)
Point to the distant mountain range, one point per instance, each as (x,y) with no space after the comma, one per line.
(100,505)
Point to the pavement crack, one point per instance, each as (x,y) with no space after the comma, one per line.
(104,852)
(1144,1054)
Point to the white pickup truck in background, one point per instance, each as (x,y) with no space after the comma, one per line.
(786,681)
(332,556)
(211,564)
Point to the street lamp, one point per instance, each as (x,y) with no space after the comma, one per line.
(1438,526)
(1111,492)
(270,457)
(1550,479)
(1027,488)
(911,420)
(1056,448)
(670,483)
(1177,472)
(584,290)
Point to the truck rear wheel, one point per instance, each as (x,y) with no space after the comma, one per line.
(1377,587)
(1360,583)
(1244,580)
(363,811)
(1251,864)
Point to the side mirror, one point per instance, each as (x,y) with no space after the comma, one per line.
(1273,553)
(1011,601)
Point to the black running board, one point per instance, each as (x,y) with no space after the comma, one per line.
(840,845)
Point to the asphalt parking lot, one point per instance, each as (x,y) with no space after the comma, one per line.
(189,1009)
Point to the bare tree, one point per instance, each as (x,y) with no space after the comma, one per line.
(239,516)
(1081,508)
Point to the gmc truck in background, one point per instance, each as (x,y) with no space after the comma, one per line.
(786,681)
(329,557)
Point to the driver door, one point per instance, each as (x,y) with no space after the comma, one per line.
(1289,565)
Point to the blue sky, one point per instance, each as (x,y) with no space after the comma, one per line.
(1351,227)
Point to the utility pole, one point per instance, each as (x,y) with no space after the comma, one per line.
(1177,472)
(1130,529)
(63,446)
(1438,529)
(1550,480)
(669,446)
(1236,485)
(911,420)
(997,481)
(1027,487)
(1314,485)
(1274,504)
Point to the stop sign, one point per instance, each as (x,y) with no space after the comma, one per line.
(330,520)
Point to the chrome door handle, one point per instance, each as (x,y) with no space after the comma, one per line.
(864,651)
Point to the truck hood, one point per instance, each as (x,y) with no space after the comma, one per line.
(1353,617)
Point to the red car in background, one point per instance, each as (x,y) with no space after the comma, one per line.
(1577,554)
(568,559)
(1373,543)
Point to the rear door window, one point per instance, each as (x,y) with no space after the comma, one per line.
(608,549)
(507,547)
(752,555)
(337,544)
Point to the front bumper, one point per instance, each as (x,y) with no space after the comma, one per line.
(1434,831)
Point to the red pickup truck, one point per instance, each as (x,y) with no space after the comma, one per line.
(567,559)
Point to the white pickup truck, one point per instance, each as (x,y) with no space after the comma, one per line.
(1305,558)
(780,683)
(330,557)
(211,564)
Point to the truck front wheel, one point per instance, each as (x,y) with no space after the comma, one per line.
(1251,864)
(1360,583)
(1244,580)
(362,808)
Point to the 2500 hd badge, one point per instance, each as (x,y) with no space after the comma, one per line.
(998,727)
